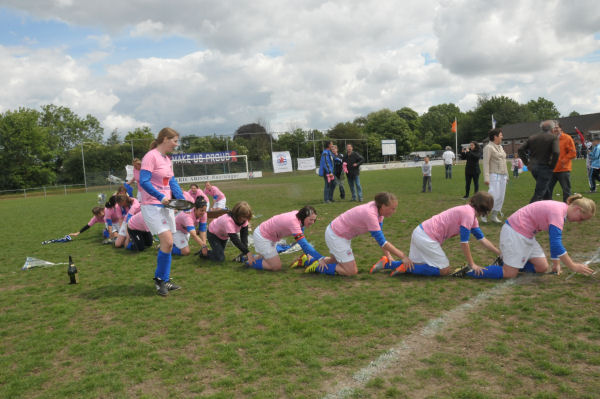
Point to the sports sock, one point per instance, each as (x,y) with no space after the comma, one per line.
(308,261)
(257,264)
(175,250)
(163,265)
(105,233)
(393,265)
(492,271)
(129,246)
(423,269)
(329,269)
(528,268)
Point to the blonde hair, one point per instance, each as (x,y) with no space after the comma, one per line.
(136,161)
(586,205)
(241,210)
(165,134)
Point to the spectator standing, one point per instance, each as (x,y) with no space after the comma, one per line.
(338,172)
(495,172)
(472,154)
(594,158)
(562,170)
(426,169)
(540,153)
(516,164)
(448,157)
(326,172)
(353,161)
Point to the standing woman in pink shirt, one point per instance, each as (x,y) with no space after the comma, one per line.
(520,249)
(159,185)
(367,218)
(427,238)
(218,198)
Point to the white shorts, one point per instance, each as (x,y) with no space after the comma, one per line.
(517,249)
(123,229)
(158,219)
(221,204)
(425,250)
(263,246)
(338,246)
(181,239)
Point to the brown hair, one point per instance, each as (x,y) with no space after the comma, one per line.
(136,160)
(482,202)
(165,133)
(97,210)
(384,198)
(305,212)
(241,210)
(124,198)
(587,205)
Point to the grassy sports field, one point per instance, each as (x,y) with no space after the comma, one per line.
(237,333)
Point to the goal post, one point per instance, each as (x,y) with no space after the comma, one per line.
(195,168)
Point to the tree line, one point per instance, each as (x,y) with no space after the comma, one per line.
(47,146)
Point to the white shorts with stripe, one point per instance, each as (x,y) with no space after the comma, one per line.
(338,246)
(158,219)
(264,246)
(423,249)
(517,249)
(181,239)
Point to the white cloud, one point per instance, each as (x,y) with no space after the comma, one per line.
(148,28)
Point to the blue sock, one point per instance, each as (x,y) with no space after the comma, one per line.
(175,250)
(329,269)
(393,265)
(423,269)
(528,268)
(129,246)
(492,271)
(257,264)
(163,265)
(105,233)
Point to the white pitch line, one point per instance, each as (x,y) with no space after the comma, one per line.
(404,349)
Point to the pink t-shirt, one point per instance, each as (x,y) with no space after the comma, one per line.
(183,220)
(95,219)
(214,190)
(162,170)
(448,223)
(282,225)
(135,208)
(190,197)
(224,225)
(114,214)
(356,221)
(134,203)
(136,178)
(538,216)
(137,222)
(199,193)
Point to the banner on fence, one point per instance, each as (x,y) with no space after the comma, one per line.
(282,162)
(205,157)
(228,176)
(306,163)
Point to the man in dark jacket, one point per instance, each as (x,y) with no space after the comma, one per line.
(472,154)
(540,153)
(338,172)
(326,172)
(353,161)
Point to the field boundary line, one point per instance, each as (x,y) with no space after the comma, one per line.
(346,387)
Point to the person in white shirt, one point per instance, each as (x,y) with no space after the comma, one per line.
(448,157)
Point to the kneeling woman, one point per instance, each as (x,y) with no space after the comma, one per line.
(185,224)
(356,221)
(269,232)
(226,227)
(521,251)
(427,238)
(140,237)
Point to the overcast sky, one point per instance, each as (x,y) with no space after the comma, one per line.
(206,67)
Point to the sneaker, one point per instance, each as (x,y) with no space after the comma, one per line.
(171,286)
(461,271)
(498,261)
(241,258)
(495,219)
(299,262)
(484,219)
(466,197)
(312,268)
(379,265)
(399,270)
(161,287)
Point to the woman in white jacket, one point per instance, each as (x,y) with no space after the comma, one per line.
(495,172)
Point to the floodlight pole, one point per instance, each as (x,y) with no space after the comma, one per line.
(83,162)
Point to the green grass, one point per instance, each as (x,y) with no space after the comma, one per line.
(237,333)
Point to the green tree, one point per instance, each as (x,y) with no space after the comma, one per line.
(543,109)
(388,125)
(140,139)
(505,111)
(345,130)
(67,129)
(255,138)
(26,158)
(113,138)
(436,125)
(574,113)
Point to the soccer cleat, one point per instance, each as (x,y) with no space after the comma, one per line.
(171,286)
(241,258)
(461,271)
(161,287)
(299,262)
(379,265)
(399,270)
(498,261)
(312,268)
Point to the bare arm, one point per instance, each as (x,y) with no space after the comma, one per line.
(390,248)
(467,252)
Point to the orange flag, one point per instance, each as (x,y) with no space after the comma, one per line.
(454,126)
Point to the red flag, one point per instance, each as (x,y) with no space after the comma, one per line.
(580,135)
(454,126)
